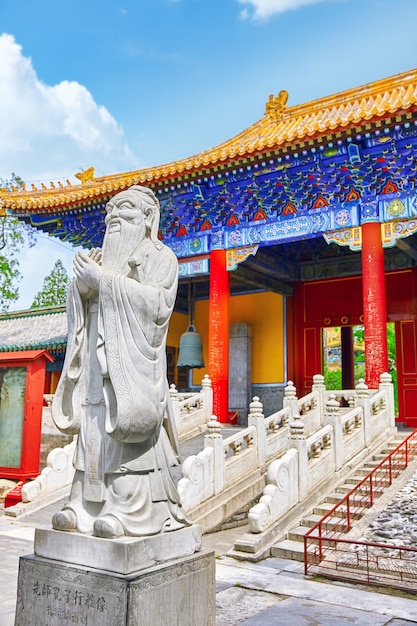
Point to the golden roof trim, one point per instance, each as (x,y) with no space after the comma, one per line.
(281,125)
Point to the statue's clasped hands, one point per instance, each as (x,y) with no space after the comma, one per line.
(87,269)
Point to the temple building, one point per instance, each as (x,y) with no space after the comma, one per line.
(303,222)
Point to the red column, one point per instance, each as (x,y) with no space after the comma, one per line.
(374,303)
(219,322)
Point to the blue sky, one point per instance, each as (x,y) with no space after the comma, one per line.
(127,84)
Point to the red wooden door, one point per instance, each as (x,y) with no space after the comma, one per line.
(406,344)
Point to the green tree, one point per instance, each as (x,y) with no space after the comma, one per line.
(13,236)
(55,288)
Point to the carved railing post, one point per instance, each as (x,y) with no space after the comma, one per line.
(173,392)
(207,393)
(332,418)
(319,387)
(362,394)
(385,384)
(256,418)
(298,440)
(214,439)
(290,398)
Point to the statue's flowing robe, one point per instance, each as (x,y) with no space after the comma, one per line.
(114,392)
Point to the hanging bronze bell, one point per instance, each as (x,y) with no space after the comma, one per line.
(191,349)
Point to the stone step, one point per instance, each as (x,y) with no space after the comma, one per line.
(313,518)
(390,446)
(288,549)
(381,473)
(323,508)
(360,473)
(297,533)
(396,461)
(334,524)
(370,464)
(347,487)
(377,490)
(334,498)
(310,519)
(361,495)
(356,478)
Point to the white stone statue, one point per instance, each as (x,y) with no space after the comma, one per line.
(113,391)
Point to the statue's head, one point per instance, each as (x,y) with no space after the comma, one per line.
(132,215)
(136,199)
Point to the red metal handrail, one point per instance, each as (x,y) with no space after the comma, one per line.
(326,535)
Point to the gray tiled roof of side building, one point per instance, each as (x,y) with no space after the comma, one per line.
(34,329)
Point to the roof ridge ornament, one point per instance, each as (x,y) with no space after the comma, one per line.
(275,107)
(86,175)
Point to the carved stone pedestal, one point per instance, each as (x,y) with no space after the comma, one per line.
(177,592)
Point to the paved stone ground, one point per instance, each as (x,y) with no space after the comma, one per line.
(273,592)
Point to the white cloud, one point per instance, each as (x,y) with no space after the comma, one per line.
(49,132)
(263,9)
(46,133)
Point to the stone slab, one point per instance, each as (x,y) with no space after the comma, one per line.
(125,555)
(237,604)
(307,612)
(51,593)
(255,576)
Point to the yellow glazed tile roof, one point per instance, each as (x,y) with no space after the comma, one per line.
(280,126)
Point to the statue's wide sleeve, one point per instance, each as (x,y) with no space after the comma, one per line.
(67,398)
(133,325)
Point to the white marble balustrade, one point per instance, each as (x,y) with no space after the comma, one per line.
(325,433)
(346,433)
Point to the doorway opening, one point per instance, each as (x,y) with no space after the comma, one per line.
(343,349)
(340,354)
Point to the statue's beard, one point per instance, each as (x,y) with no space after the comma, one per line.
(120,241)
